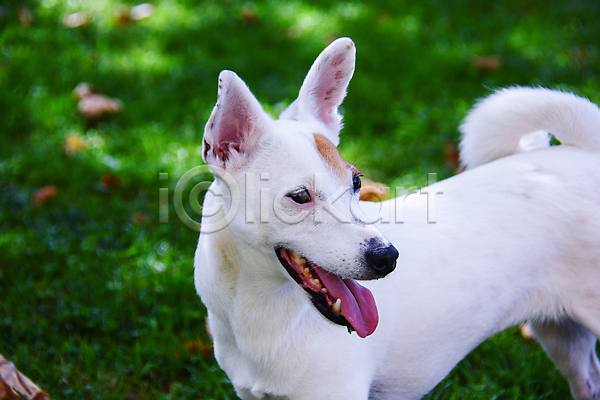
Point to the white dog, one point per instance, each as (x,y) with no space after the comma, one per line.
(283,240)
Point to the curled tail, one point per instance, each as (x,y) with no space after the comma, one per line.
(520,118)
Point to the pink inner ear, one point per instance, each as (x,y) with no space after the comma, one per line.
(234,123)
(331,88)
(325,86)
(229,131)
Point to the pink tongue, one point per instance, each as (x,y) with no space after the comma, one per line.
(358,304)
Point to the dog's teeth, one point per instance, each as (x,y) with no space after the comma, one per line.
(337,306)
(306,272)
(315,282)
(298,259)
(324,290)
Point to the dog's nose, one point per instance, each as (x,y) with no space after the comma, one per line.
(383,260)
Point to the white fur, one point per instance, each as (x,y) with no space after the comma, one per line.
(496,126)
(514,239)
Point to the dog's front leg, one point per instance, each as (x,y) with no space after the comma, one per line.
(572,347)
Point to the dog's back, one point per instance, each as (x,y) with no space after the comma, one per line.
(514,239)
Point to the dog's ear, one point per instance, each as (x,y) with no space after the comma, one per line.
(235,125)
(324,88)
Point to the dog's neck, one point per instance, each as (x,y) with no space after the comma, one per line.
(233,270)
(260,339)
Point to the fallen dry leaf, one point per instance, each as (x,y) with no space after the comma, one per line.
(97,105)
(44,194)
(75,20)
(13,381)
(199,348)
(125,16)
(110,181)
(82,90)
(487,64)
(25,17)
(373,191)
(526,331)
(139,218)
(74,143)
(122,17)
(383,18)
(248,15)
(141,11)
(580,55)
(93,105)
(452,155)
(207,327)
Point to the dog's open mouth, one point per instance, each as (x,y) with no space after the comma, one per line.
(341,300)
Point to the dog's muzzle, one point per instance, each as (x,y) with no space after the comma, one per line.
(382,259)
(342,300)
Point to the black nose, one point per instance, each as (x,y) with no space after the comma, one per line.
(382,259)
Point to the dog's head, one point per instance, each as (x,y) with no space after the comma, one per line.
(298,195)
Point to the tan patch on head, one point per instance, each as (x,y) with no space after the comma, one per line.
(331,155)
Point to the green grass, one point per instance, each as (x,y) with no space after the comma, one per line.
(97,305)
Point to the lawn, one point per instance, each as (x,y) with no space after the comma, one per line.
(98,300)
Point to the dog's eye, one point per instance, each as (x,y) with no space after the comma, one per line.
(356,182)
(300,196)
